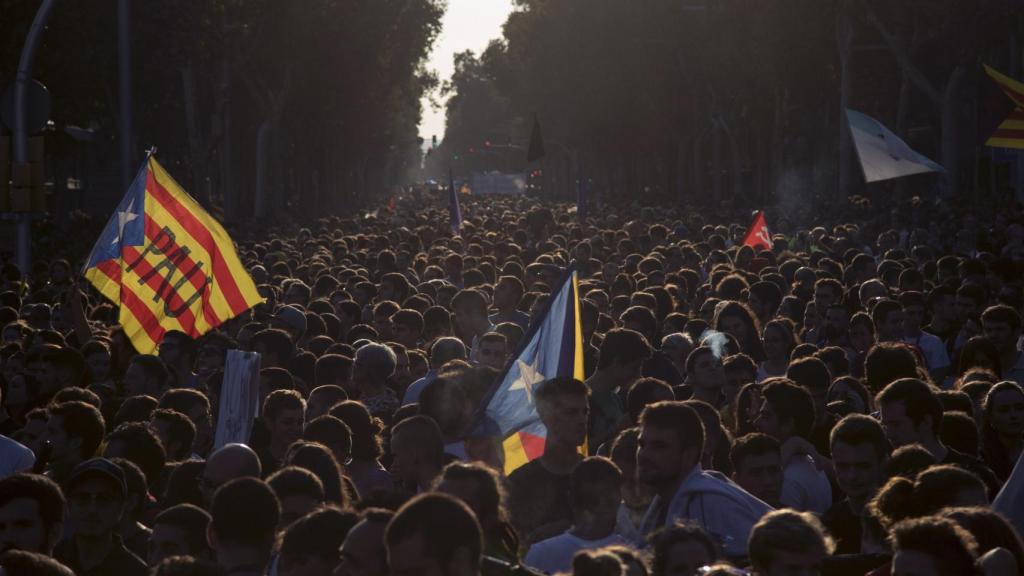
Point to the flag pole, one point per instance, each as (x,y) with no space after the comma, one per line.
(481,409)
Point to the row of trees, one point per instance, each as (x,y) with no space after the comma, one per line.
(727,99)
(256,104)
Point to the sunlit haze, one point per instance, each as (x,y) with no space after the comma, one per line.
(468,25)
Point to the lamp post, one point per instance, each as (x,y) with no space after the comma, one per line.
(21,168)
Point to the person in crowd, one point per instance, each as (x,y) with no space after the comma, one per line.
(682,549)
(757,466)
(787,414)
(1002,325)
(299,492)
(911,413)
(539,490)
(860,451)
(417,453)
(74,431)
(363,552)
(442,351)
(779,341)
(178,352)
(332,433)
(372,366)
(620,364)
(705,377)
(492,351)
(146,376)
(310,545)
(594,495)
(669,455)
(179,530)
(434,534)
(508,292)
(32,512)
(480,488)
(229,462)
(787,542)
(932,545)
(933,350)
(176,432)
(196,406)
(1002,428)
(243,543)
(133,532)
(97,494)
(364,467)
(284,415)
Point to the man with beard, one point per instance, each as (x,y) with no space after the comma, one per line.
(96,499)
(668,459)
(31,513)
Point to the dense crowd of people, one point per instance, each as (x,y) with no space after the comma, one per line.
(848,401)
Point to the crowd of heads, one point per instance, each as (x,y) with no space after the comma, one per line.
(852,393)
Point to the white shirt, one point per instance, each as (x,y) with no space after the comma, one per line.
(804,487)
(933,350)
(555,554)
(14,457)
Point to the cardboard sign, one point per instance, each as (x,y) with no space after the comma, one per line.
(239,398)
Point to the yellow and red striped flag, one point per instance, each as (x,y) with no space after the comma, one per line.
(1010,133)
(167,263)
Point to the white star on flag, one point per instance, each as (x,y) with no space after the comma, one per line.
(123,218)
(528,378)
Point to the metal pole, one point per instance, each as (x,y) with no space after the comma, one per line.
(21,81)
(124,54)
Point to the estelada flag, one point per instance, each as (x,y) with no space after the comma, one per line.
(552,348)
(167,264)
(1010,132)
(758,236)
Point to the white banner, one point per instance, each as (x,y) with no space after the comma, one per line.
(239,398)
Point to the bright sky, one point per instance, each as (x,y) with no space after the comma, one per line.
(467,25)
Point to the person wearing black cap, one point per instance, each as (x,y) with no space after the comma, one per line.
(96,499)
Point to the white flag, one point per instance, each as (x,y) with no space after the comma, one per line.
(1010,500)
(883,155)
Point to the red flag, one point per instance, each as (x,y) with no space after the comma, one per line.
(758,235)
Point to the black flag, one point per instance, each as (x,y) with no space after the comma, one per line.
(536,150)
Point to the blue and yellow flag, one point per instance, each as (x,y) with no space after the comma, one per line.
(553,348)
(167,263)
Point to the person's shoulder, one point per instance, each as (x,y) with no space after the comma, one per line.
(532,476)
(961,459)
(124,561)
(838,513)
(971,464)
(10,444)
(15,454)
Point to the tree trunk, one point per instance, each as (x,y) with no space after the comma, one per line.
(262,144)
(844,38)
(951,140)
